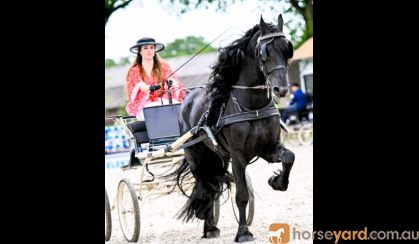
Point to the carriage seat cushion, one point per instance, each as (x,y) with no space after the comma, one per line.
(139,130)
(141,137)
(137,126)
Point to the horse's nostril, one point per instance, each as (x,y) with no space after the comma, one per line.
(276,89)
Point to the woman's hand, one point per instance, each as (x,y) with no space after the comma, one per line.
(154,87)
(169,82)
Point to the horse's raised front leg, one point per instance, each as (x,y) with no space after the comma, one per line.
(280,154)
(242,197)
(210,228)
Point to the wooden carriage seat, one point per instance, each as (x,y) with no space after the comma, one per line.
(139,129)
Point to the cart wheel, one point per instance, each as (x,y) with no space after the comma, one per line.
(216,210)
(292,138)
(305,135)
(283,136)
(250,210)
(128,210)
(108,218)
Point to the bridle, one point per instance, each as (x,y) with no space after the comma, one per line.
(262,56)
(261,49)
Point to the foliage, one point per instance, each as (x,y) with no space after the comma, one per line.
(185,46)
(109,63)
(183,6)
(122,62)
(122,111)
(304,8)
(300,24)
(113,5)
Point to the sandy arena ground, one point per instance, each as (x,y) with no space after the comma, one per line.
(294,207)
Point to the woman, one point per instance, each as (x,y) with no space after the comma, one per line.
(148,82)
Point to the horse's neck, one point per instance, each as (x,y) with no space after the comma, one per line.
(249,74)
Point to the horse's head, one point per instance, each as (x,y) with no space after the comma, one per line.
(272,53)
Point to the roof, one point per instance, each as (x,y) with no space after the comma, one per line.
(304,51)
(115,97)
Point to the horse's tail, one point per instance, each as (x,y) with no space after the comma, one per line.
(181,175)
(211,179)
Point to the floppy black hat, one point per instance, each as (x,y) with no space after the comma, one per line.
(146,41)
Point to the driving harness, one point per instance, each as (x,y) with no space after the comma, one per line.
(244,114)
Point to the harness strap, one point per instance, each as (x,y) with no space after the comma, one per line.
(194,141)
(239,105)
(270,35)
(251,87)
(279,66)
(234,118)
(249,116)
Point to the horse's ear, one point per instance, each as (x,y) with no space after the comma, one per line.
(280,22)
(263,26)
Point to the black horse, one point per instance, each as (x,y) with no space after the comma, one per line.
(239,95)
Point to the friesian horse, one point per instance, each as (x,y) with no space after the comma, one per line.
(237,104)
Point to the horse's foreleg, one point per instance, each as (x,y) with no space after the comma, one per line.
(281,154)
(242,197)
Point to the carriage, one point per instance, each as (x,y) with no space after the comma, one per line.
(108,218)
(213,135)
(299,127)
(155,149)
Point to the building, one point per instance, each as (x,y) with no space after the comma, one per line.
(301,67)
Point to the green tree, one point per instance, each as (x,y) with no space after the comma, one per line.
(113,5)
(301,27)
(123,61)
(185,46)
(305,9)
(109,63)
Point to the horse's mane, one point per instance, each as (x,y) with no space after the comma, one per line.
(227,69)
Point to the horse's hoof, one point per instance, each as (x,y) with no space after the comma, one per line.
(244,237)
(212,234)
(276,183)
